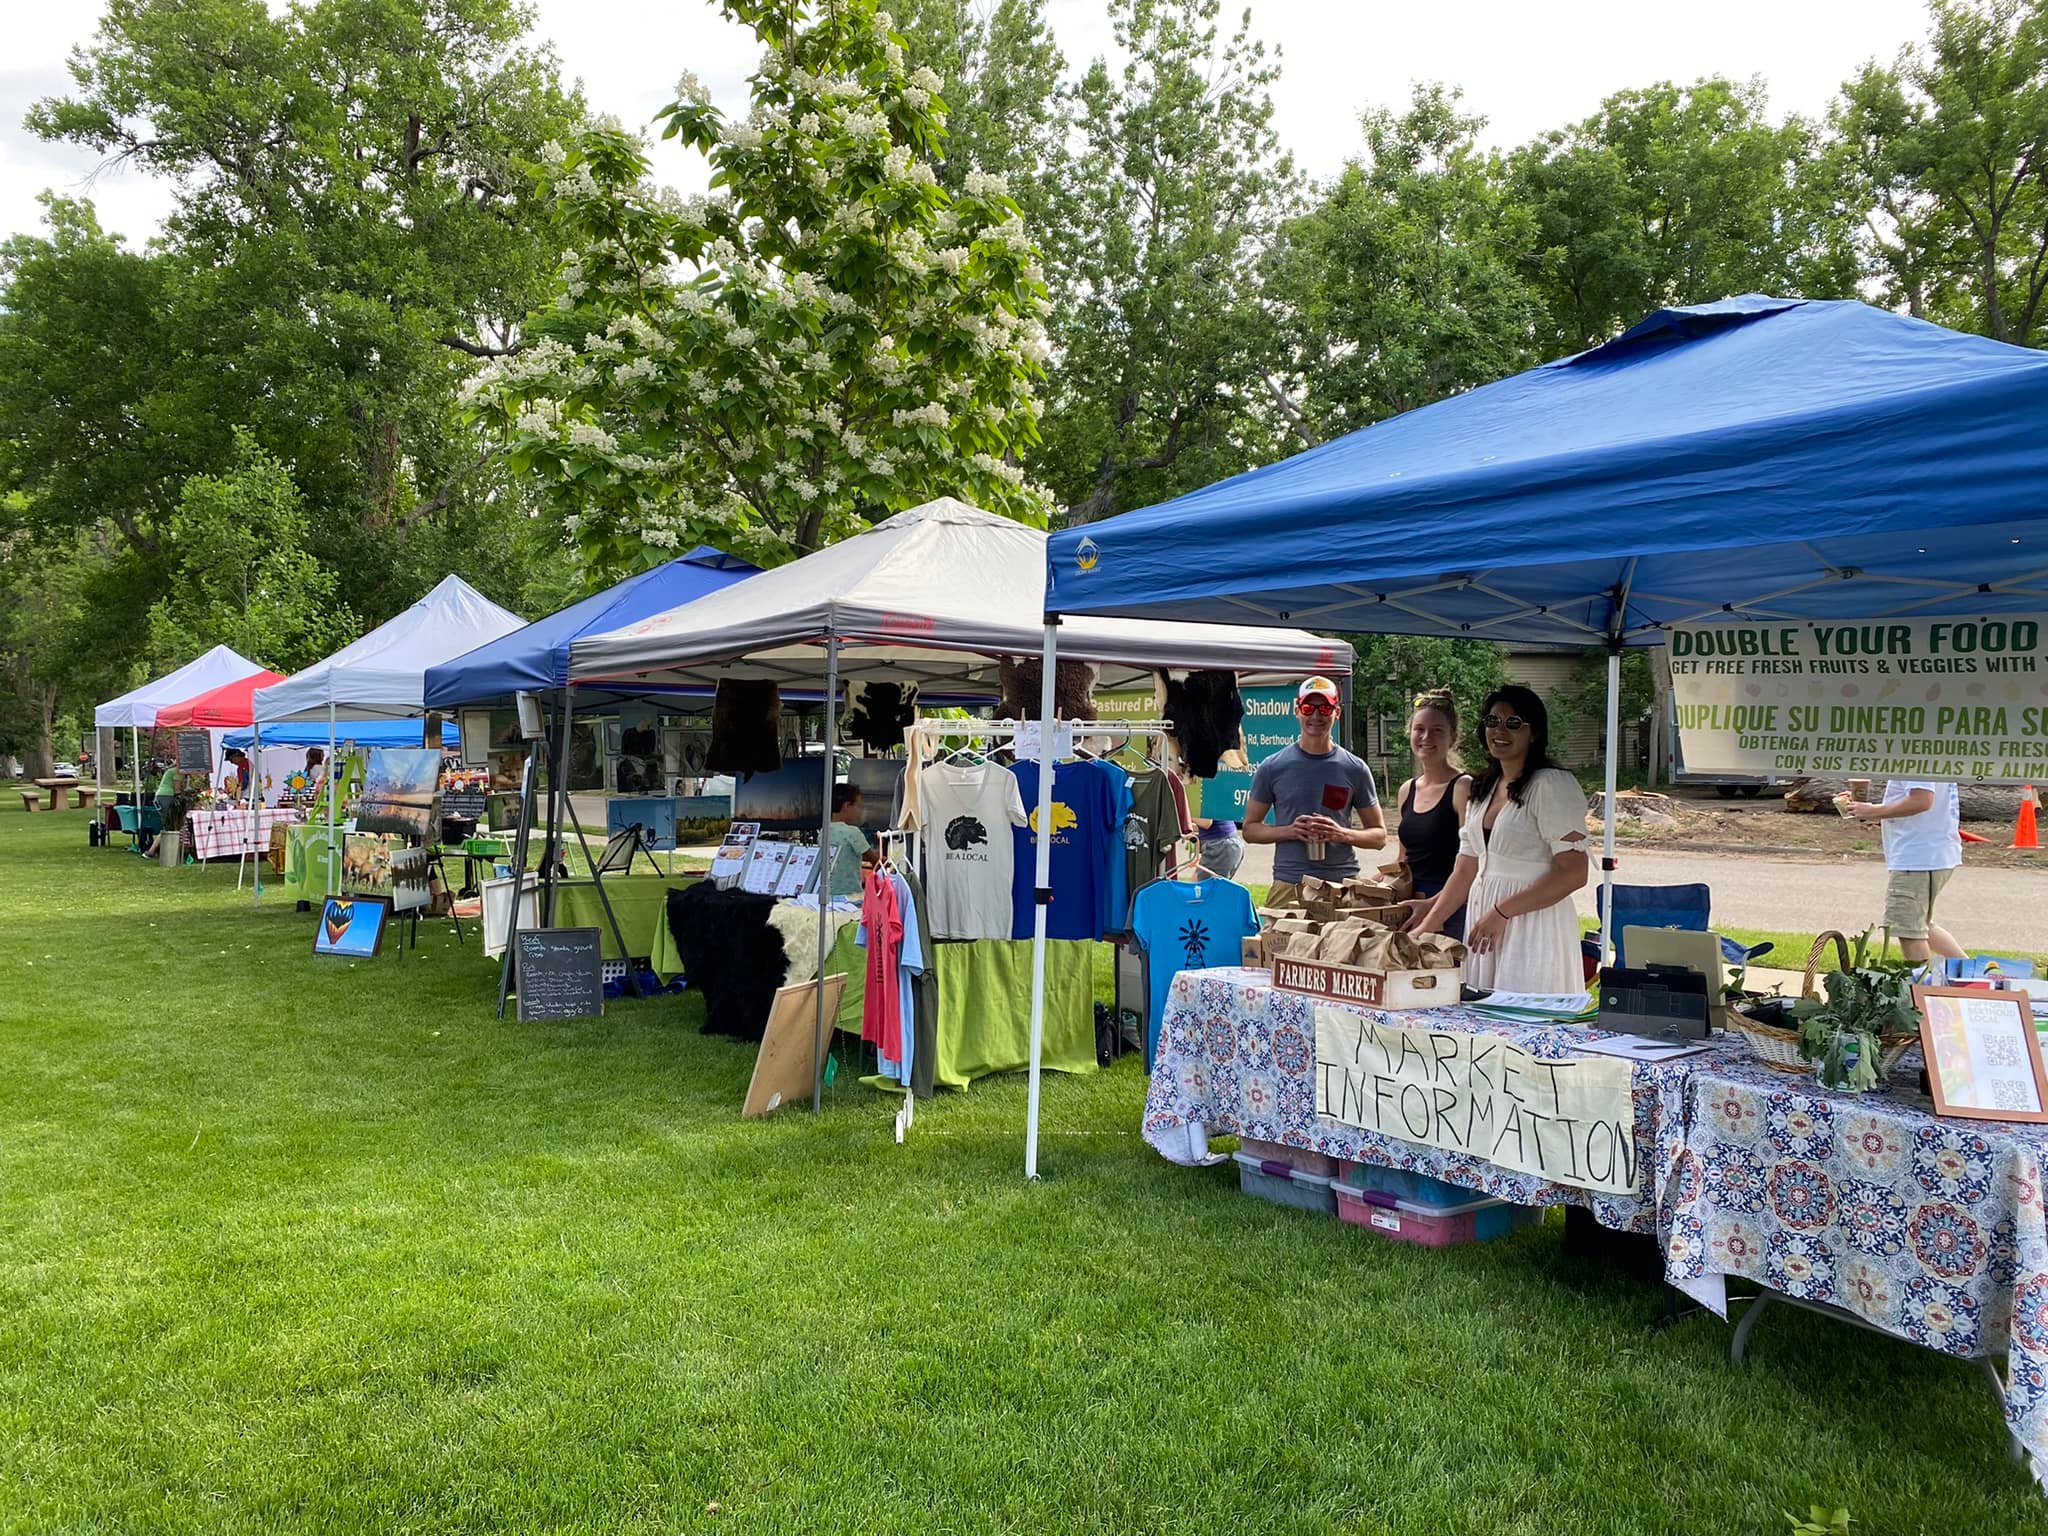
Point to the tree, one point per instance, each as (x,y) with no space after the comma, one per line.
(248,579)
(1952,146)
(1165,346)
(1403,285)
(828,337)
(1388,671)
(350,235)
(1675,195)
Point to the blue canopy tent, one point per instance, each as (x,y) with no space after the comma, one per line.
(536,659)
(1756,458)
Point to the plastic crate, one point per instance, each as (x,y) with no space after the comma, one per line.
(1431,1226)
(1284,1186)
(1321,1164)
(1403,1185)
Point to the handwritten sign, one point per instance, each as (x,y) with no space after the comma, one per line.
(1571,1121)
(559,973)
(1921,698)
(195,752)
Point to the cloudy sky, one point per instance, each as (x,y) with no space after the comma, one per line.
(1525,67)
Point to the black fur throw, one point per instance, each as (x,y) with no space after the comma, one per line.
(881,713)
(1207,712)
(1073,689)
(731,956)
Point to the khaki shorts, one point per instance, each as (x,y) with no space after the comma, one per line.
(1909,900)
(1283,893)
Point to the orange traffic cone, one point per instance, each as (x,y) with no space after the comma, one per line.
(2024,835)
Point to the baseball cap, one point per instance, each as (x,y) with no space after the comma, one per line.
(1314,686)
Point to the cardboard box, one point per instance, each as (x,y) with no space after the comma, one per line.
(1368,989)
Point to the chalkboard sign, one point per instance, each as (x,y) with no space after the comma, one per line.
(559,973)
(463,802)
(195,752)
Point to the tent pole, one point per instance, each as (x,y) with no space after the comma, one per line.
(1041,843)
(529,777)
(135,770)
(255,810)
(333,798)
(1609,813)
(558,798)
(603,900)
(824,872)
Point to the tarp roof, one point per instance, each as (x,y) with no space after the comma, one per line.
(931,595)
(1756,458)
(363,733)
(229,704)
(383,675)
(139,706)
(536,658)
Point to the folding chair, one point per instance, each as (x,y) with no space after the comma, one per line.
(1666,906)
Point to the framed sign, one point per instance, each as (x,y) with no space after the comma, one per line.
(1983,1057)
(195,752)
(352,926)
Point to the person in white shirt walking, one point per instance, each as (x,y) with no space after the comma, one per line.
(1923,845)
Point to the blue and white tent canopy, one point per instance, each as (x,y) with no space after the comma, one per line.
(1757,458)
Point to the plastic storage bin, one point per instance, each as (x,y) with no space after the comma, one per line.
(1284,1185)
(1431,1226)
(1300,1160)
(1403,1185)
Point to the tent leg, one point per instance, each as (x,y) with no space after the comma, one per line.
(1607,820)
(824,873)
(1041,843)
(135,769)
(529,778)
(558,798)
(333,803)
(597,879)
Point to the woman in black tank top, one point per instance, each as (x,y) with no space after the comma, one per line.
(1433,802)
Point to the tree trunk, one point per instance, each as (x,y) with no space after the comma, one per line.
(42,757)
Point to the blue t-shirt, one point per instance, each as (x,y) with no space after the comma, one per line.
(1187,925)
(1084,837)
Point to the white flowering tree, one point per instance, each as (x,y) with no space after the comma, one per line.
(828,337)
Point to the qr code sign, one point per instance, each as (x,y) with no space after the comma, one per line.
(2011,1093)
(2004,1051)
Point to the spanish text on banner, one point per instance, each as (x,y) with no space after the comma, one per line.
(1963,699)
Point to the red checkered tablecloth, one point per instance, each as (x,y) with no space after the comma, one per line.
(229,834)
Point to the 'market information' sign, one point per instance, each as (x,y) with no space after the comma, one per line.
(1922,699)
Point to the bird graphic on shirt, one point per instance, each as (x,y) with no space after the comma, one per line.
(963,832)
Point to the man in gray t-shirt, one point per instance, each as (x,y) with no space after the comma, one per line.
(1312,790)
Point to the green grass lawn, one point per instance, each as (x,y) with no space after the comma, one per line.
(290,1244)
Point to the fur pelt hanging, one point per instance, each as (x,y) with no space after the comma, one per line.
(880,714)
(746,727)
(1207,713)
(732,957)
(1073,689)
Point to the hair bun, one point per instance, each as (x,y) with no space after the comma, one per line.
(1435,698)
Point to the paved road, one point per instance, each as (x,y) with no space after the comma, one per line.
(1986,909)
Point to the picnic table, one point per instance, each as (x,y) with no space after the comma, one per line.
(59,791)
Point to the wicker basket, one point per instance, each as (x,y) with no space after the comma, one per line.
(1778,1048)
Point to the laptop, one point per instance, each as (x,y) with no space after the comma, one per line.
(1687,949)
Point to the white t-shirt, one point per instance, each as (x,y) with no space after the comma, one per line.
(1931,840)
(966,812)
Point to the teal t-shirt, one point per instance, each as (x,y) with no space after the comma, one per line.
(848,844)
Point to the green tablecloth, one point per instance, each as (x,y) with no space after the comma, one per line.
(639,902)
(985,1005)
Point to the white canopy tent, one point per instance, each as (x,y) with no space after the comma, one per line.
(383,676)
(932,595)
(941,578)
(137,708)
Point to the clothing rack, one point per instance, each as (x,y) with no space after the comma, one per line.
(924,730)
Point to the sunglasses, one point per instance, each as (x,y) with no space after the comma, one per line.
(1310,707)
(1503,722)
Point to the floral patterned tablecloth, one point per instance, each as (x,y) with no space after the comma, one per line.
(1928,1228)
(1238,1056)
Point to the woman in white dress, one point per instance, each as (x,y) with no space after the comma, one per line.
(1521,855)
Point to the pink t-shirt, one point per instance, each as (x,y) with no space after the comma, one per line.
(881,930)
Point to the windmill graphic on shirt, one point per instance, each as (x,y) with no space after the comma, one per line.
(1194,938)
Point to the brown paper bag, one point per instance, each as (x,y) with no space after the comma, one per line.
(1388,949)
(1440,952)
